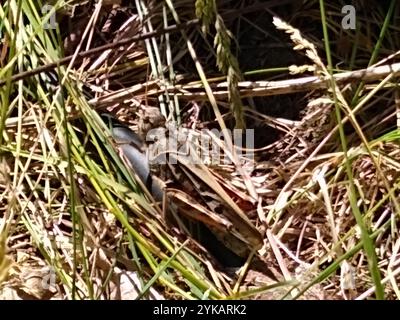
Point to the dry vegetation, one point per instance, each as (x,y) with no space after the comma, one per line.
(316,217)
